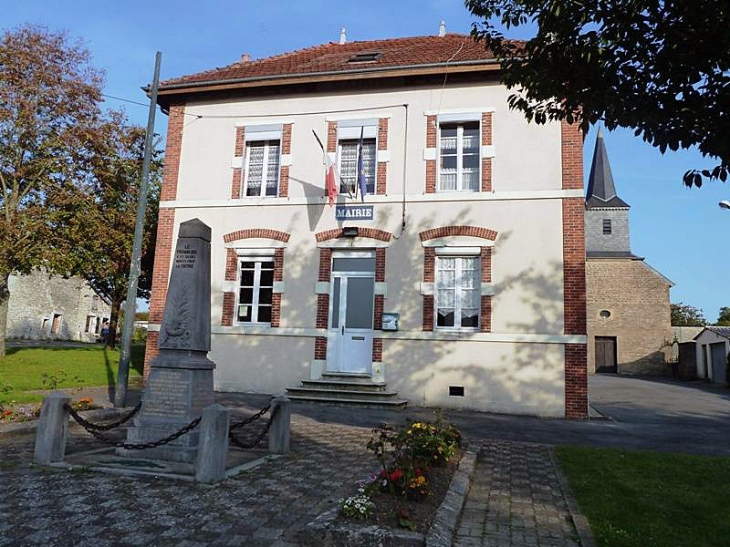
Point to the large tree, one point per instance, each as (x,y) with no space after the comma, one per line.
(97,219)
(724,317)
(684,315)
(661,68)
(49,116)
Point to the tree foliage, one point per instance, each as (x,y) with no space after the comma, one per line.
(97,219)
(69,172)
(684,315)
(723,318)
(660,68)
(49,115)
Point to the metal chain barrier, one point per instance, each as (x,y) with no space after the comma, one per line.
(102,427)
(247,446)
(94,429)
(250,419)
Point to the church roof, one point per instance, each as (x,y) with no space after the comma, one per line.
(601,189)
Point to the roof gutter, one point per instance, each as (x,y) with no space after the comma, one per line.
(373,70)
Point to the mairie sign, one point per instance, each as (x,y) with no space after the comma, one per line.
(354,212)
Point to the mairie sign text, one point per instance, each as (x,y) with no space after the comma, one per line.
(354,212)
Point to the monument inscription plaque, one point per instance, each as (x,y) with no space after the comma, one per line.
(180,382)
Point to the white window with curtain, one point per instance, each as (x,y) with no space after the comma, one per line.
(348,140)
(347,153)
(459,157)
(255,290)
(458,292)
(262,168)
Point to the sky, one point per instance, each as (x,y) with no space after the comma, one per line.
(681,232)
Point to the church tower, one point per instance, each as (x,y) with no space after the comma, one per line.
(627,301)
(607,215)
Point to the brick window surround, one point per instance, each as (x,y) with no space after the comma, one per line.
(433,143)
(325,274)
(381,169)
(166,223)
(231,271)
(429,270)
(574,280)
(240,152)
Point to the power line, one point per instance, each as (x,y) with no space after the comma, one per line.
(287,114)
(267,115)
(124,100)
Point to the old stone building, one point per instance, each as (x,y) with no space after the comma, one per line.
(629,326)
(44,307)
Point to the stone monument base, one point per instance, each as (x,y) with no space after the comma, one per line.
(179,387)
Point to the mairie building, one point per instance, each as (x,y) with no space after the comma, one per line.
(456,279)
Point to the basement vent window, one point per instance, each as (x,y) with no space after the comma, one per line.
(456,391)
(606,226)
(365,57)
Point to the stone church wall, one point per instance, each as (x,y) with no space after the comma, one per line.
(638,301)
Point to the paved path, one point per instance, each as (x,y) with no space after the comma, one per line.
(515,500)
(270,504)
(266,506)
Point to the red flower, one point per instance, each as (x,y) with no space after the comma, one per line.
(396,475)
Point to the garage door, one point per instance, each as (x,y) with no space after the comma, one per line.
(719,363)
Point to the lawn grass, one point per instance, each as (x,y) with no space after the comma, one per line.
(644,499)
(22,369)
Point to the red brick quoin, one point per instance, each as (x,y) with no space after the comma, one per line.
(574,277)
(166,222)
(238,171)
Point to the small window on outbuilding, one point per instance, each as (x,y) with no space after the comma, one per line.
(606,226)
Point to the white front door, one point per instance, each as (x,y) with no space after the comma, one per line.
(350,341)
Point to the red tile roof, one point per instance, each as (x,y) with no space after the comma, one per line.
(332,58)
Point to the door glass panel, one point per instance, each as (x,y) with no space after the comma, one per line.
(335,319)
(353,264)
(359,313)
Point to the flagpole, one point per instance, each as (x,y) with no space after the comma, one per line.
(342,183)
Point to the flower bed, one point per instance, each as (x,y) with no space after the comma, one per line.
(12,412)
(416,466)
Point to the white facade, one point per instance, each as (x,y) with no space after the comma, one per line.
(712,354)
(518,365)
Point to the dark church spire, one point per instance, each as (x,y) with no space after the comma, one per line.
(601,190)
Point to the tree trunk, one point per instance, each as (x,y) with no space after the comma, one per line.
(4,300)
(111,338)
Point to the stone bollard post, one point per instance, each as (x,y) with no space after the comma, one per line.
(213,444)
(50,439)
(280,432)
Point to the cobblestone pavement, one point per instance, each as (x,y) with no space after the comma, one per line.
(515,500)
(266,506)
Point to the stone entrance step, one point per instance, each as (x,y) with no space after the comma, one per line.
(346,385)
(347,389)
(392,404)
